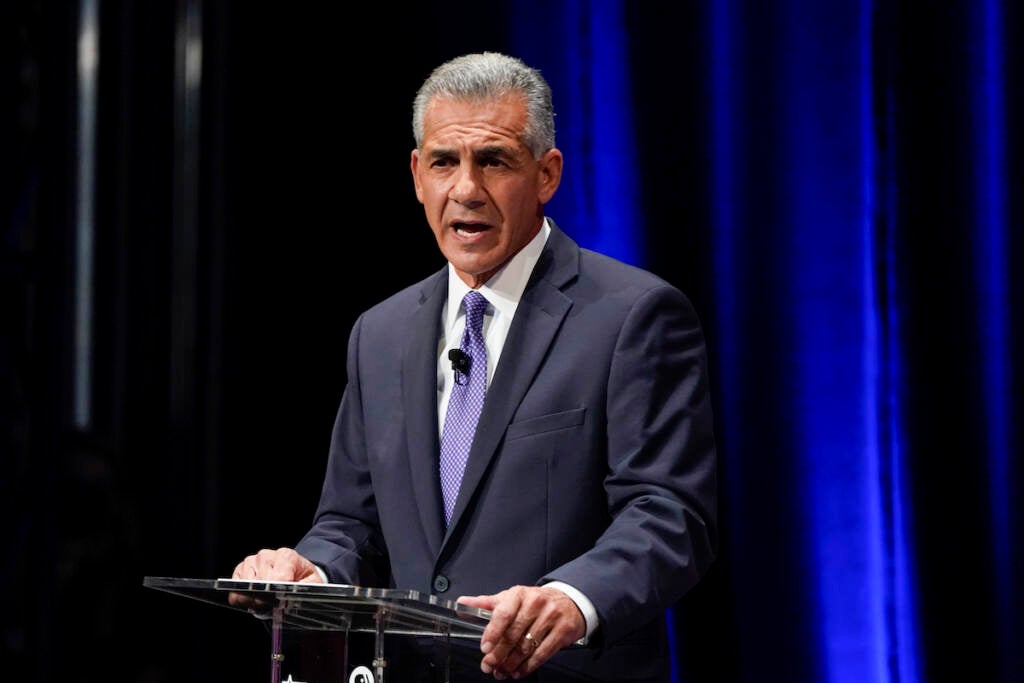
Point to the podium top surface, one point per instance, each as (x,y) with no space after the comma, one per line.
(334,607)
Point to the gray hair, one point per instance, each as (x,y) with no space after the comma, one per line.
(487,76)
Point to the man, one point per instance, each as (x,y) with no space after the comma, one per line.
(587,499)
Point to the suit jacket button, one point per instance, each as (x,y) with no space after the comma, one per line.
(440,583)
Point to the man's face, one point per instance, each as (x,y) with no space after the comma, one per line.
(481,189)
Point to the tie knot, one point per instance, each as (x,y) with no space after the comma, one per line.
(475,305)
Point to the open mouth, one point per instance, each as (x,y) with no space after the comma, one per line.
(467,229)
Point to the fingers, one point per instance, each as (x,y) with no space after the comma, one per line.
(479,601)
(283,564)
(528,626)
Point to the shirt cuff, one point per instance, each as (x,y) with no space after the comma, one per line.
(583,602)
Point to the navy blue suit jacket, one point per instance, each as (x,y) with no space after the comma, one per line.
(593,462)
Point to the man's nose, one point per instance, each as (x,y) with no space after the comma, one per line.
(467,188)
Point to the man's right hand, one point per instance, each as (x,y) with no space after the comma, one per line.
(283,564)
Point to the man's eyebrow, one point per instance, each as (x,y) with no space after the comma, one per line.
(439,152)
(488,151)
(494,151)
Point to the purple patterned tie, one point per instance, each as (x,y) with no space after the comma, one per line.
(464,406)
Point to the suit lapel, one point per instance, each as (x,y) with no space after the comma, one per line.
(419,392)
(538,318)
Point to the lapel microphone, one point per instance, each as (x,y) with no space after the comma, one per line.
(460,364)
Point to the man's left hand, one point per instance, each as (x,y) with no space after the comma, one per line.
(528,625)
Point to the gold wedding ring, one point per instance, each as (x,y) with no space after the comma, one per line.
(530,639)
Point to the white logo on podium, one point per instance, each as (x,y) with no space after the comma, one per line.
(361,675)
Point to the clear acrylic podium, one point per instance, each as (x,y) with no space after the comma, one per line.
(296,608)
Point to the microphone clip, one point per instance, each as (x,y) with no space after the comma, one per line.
(460,365)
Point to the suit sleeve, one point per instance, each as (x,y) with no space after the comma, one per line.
(661,481)
(345,539)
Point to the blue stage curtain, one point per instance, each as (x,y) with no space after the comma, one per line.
(581,48)
(852,190)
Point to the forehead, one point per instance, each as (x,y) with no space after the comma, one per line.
(448,122)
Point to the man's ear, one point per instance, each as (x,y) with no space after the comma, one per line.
(550,174)
(414,163)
